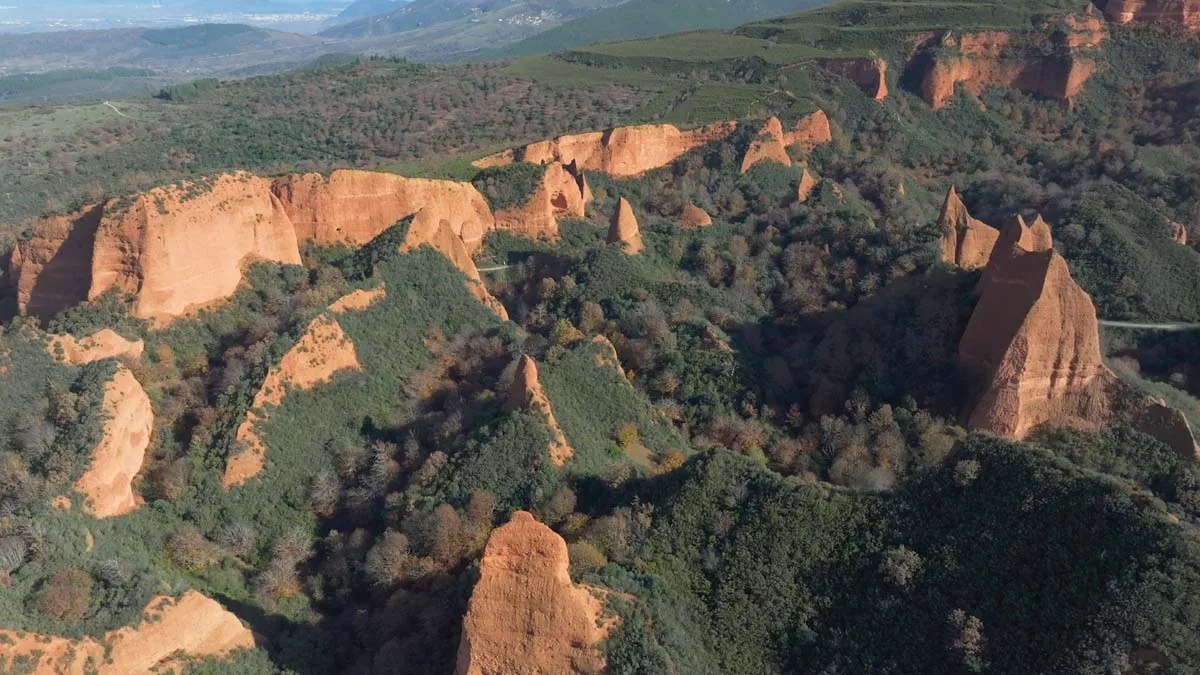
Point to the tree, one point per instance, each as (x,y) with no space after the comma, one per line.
(66,595)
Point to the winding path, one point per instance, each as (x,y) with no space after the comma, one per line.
(1164,327)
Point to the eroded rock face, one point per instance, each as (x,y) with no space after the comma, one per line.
(359,300)
(870,74)
(990,58)
(622,152)
(624,228)
(769,146)
(441,237)
(103,344)
(354,207)
(694,216)
(525,616)
(527,392)
(1182,13)
(175,249)
(563,192)
(107,482)
(1178,232)
(810,131)
(52,270)
(966,242)
(193,626)
(808,183)
(1034,341)
(320,353)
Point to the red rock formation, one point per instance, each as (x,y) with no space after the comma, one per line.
(320,353)
(622,152)
(353,207)
(106,484)
(563,192)
(103,344)
(1056,63)
(769,146)
(192,626)
(52,269)
(870,74)
(966,242)
(1182,13)
(1033,338)
(810,131)
(808,183)
(440,236)
(526,392)
(1178,232)
(525,616)
(359,300)
(694,216)
(179,248)
(624,229)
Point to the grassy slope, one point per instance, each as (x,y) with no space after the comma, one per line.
(644,18)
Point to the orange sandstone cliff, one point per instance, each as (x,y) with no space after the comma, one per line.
(1182,13)
(527,392)
(769,146)
(870,74)
(622,152)
(624,228)
(562,192)
(1033,341)
(808,183)
(52,269)
(179,248)
(966,242)
(191,626)
(320,353)
(107,483)
(353,207)
(1054,60)
(525,616)
(810,131)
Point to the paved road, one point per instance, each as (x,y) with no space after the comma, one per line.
(1164,327)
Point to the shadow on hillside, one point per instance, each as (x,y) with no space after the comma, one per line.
(304,649)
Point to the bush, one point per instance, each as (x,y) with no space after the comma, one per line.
(66,595)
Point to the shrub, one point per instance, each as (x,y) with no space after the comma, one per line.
(66,595)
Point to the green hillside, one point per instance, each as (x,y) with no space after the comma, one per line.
(645,18)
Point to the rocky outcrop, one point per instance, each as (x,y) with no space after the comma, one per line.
(807,184)
(1033,343)
(441,237)
(810,132)
(768,146)
(52,269)
(966,242)
(1184,14)
(525,617)
(621,152)
(107,483)
(694,216)
(526,393)
(191,626)
(562,193)
(624,229)
(870,74)
(103,344)
(1178,232)
(1055,61)
(353,207)
(359,300)
(179,248)
(320,353)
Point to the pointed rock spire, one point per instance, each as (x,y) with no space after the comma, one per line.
(966,242)
(769,146)
(526,392)
(808,183)
(624,228)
